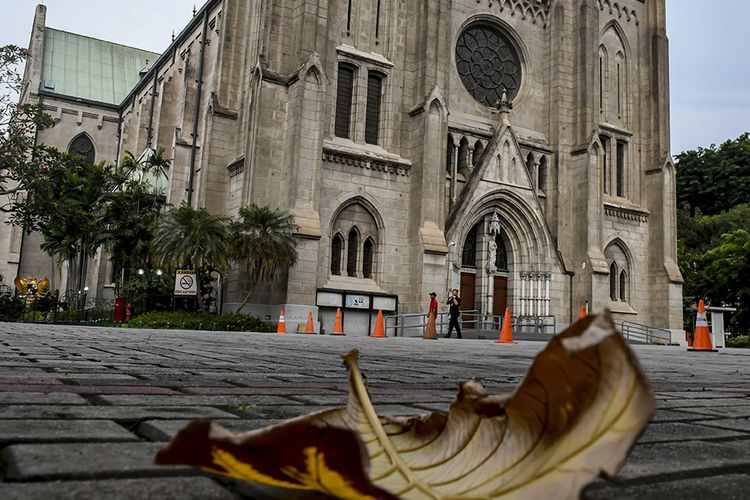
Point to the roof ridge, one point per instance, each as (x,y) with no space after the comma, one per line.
(103,40)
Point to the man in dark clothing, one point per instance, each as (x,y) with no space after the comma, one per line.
(454,301)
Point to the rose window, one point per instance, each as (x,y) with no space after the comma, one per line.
(487,64)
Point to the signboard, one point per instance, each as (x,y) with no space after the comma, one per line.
(357,301)
(328,299)
(384,303)
(185,283)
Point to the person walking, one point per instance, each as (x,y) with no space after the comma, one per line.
(430,332)
(454,301)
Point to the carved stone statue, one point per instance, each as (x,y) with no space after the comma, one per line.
(492,257)
(495,224)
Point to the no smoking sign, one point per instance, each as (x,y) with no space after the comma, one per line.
(185,283)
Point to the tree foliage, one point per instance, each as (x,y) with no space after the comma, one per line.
(264,239)
(715,179)
(195,238)
(713,221)
(21,158)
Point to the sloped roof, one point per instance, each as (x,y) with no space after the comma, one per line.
(87,68)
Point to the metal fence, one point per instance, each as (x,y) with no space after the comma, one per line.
(473,325)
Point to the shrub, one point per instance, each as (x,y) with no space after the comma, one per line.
(191,321)
(739,341)
(11,307)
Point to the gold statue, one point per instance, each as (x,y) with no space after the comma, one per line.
(30,288)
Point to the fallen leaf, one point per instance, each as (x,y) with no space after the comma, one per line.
(576,415)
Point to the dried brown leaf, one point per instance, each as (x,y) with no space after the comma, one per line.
(579,411)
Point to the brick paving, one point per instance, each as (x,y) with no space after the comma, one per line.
(83,410)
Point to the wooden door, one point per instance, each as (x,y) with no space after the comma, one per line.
(468,293)
(500,296)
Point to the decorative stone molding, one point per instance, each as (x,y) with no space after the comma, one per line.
(332,153)
(536,11)
(623,213)
(236,167)
(618,10)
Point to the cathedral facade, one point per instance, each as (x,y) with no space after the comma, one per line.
(517,150)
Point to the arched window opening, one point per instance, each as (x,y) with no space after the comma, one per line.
(352,252)
(543,173)
(463,155)
(374,101)
(337,246)
(368,254)
(613,282)
(531,167)
(344,100)
(621,151)
(450,154)
(620,269)
(478,152)
(356,238)
(469,254)
(605,162)
(501,257)
(83,147)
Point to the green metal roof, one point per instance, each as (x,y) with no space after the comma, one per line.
(88,68)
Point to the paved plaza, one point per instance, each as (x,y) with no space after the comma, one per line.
(83,411)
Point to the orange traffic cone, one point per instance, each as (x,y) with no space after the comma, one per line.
(702,340)
(338,326)
(583,312)
(379,332)
(506,332)
(281,327)
(310,328)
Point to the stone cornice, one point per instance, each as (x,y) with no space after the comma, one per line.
(626,213)
(365,158)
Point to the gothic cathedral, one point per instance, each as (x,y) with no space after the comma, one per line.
(517,150)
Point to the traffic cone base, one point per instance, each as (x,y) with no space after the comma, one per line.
(702,338)
(379,332)
(281,327)
(506,332)
(338,326)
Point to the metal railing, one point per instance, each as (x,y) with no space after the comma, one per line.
(472,323)
(645,334)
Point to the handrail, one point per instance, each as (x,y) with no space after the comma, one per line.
(637,332)
(414,324)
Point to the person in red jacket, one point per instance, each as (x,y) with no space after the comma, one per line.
(431,332)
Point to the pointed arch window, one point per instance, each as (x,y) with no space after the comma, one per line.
(337,247)
(352,251)
(463,155)
(501,257)
(543,173)
(478,151)
(613,275)
(344,100)
(374,101)
(469,255)
(368,256)
(531,167)
(450,153)
(83,147)
(623,286)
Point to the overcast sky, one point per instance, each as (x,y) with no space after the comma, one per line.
(710,51)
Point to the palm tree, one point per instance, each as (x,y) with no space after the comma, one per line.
(265,237)
(191,237)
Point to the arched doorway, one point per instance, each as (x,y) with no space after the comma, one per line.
(486,267)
